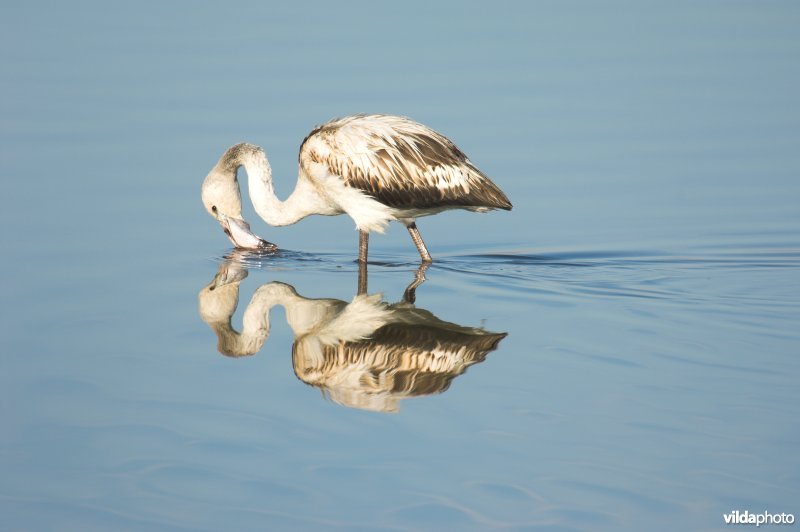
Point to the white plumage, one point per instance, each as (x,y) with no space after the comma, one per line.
(364,354)
(375,168)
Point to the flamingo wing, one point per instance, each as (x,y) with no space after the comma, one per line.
(400,163)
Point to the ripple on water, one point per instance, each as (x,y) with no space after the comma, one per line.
(439,514)
(727,275)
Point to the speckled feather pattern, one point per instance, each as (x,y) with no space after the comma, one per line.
(400,163)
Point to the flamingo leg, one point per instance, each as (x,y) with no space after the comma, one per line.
(410,295)
(417,238)
(363,246)
(362,278)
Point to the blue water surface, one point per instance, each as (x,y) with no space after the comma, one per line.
(647,281)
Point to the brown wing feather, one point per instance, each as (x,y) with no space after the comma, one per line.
(401,163)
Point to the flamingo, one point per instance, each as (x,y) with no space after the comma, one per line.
(365,353)
(375,168)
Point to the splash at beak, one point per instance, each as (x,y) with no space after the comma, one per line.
(239,233)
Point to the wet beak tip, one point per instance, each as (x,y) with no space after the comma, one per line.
(267,246)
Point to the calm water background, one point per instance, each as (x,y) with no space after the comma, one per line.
(648,277)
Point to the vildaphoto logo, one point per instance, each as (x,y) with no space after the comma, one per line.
(765,518)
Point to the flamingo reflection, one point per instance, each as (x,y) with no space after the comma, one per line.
(365,354)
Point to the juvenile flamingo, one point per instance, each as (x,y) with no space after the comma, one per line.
(375,168)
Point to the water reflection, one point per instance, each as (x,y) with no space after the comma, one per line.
(365,354)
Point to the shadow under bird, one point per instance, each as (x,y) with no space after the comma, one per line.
(374,168)
(365,354)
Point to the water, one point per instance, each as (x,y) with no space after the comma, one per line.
(646,280)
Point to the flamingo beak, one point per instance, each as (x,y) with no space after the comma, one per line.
(229,272)
(239,233)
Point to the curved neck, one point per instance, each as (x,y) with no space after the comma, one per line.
(217,304)
(262,192)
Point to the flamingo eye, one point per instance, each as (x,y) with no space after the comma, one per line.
(214,209)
